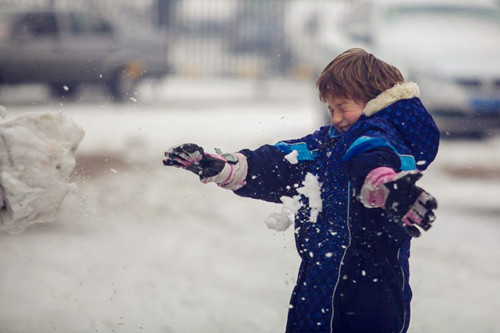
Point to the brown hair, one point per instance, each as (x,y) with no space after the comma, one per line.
(358,75)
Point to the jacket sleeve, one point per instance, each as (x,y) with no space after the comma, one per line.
(370,152)
(270,174)
(366,154)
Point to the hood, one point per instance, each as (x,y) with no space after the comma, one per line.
(401,106)
(388,97)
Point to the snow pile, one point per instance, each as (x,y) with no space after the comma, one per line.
(37,156)
(280,221)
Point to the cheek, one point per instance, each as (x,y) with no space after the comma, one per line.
(352,117)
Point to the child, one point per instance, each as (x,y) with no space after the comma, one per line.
(354,271)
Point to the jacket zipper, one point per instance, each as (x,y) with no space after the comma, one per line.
(403,289)
(345,251)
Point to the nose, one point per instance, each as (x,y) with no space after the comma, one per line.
(336,119)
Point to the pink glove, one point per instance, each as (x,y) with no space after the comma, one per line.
(405,203)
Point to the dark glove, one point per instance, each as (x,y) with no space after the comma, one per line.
(227,170)
(403,201)
(192,157)
(410,205)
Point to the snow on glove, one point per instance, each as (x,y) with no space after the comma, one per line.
(405,203)
(229,171)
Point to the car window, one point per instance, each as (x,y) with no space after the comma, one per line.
(82,24)
(35,25)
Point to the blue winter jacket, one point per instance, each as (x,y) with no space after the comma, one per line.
(354,272)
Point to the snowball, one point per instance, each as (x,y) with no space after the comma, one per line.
(36,160)
(292,157)
(282,220)
(278,221)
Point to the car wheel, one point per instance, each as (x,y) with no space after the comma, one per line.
(123,84)
(63,91)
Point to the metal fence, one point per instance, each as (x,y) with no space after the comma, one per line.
(227,37)
(249,38)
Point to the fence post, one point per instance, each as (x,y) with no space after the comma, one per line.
(165,13)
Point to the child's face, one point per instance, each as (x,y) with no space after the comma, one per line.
(344,112)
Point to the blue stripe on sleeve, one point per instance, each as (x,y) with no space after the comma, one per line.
(304,154)
(407,162)
(365,143)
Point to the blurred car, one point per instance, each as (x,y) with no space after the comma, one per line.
(451,48)
(65,49)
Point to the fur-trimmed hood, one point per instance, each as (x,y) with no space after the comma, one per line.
(399,108)
(398,92)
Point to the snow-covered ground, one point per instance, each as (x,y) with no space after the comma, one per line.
(143,248)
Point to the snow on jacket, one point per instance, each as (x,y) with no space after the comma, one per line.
(354,272)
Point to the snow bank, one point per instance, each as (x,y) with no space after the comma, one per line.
(37,156)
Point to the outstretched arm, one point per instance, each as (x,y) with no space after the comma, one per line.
(266,173)
(262,174)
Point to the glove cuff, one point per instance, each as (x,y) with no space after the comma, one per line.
(233,175)
(373,192)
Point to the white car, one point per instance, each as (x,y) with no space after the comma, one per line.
(450,48)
